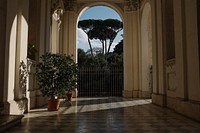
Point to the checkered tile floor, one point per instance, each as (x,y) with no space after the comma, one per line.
(106,115)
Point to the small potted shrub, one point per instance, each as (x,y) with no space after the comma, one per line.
(56,74)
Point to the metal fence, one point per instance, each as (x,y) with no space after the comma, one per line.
(95,81)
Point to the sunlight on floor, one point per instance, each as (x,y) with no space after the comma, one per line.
(106,115)
(80,105)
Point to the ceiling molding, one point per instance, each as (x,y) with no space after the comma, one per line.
(69,5)
(132,5)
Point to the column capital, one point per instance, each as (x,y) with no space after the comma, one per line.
(69,5)
(132,5)
(57,9)
(56,4)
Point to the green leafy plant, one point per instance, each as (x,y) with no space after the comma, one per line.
(56,74)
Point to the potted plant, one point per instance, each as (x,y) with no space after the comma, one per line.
(56,74)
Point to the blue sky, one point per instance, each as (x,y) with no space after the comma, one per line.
(97,12)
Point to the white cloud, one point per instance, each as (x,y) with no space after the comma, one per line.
(96,43)
(82,40)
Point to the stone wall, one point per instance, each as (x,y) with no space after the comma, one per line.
(2,45)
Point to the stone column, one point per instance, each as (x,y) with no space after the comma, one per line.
(69,33)
(159,90)
(56,28)
(145,52)
(180,51)
(154,46)
(131,54)
(192,48)
(54,36)
(43,39)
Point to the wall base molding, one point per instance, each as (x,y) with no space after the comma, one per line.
(16,107)
(136,94)
(159,99)
(187,108)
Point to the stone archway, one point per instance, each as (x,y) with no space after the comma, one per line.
(129,11)
(71,15)
(112,7)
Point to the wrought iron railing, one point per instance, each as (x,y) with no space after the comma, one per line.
(96,81)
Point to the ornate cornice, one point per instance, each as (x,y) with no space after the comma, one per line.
(132,5)
(66,5)
(69,5)
(54,4)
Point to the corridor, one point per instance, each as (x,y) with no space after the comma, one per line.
(106,115)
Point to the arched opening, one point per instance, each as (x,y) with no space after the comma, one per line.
(130,17)
(104,77)
(114,8)
(146,51)
(15,53)
(97,13)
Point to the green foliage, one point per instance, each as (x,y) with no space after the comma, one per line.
(104,71)
(99,60)
(114,59)
(56,74)
(119,48)
(82,57)
(113,24)
(96,61)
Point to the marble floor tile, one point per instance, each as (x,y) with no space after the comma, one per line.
(106,115)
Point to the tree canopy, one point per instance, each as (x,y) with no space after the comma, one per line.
(114,58)
(103,30)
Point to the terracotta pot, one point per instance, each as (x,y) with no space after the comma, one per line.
(69,96)
(53,104)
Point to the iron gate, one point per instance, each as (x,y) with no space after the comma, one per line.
(96,81)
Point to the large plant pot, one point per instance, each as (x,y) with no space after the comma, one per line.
(53,104)
(69,96)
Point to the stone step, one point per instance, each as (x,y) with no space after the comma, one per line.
(7,121)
